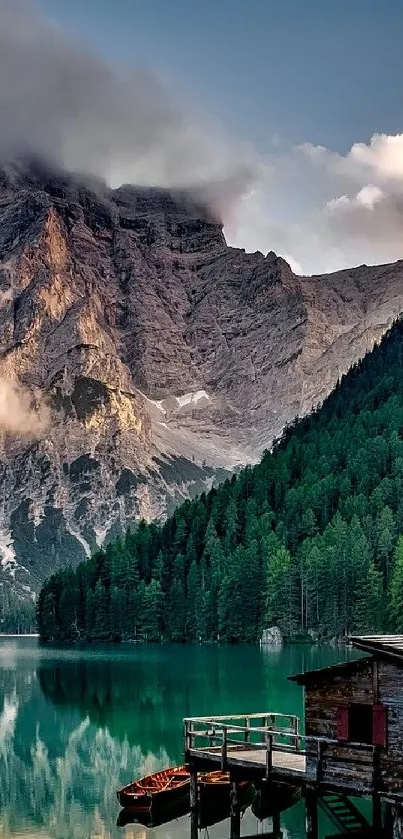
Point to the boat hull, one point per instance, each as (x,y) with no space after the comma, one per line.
(274,798)
(157,815)
(158,790)
(215,788)
(215,809)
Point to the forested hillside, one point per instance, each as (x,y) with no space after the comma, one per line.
(309,539)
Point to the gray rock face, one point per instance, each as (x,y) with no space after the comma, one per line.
(163,356)
(272,637)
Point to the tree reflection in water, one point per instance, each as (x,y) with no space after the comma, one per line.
(75,726)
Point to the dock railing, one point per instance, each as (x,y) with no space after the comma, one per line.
(268,731)
(274,732)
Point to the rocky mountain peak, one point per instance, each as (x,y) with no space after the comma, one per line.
(159,357)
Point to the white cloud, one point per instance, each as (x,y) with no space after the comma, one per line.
(365,202)
(383,156)
(350,207)
(381,159)
(369,196)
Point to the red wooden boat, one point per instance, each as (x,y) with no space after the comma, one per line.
(160,789)
(215,786)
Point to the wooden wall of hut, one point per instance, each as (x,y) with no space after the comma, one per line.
(390,694)
(345,766)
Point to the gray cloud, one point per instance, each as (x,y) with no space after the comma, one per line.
(61,102)
(370,215)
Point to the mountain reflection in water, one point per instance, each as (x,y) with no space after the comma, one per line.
(75,725)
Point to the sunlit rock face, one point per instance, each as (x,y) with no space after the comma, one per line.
(145,358)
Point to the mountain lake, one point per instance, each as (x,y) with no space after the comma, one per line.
(76,724)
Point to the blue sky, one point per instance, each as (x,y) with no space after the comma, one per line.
(327,71)
(277,75)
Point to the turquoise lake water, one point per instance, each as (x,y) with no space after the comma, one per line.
(77,724)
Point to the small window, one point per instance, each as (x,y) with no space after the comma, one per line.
(342,722)
(360,723)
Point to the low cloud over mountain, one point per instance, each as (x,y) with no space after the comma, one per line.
(64,103)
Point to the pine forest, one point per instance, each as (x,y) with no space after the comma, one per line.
(310,539)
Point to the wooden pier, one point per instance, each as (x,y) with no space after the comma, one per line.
(269,744)
(351,746)
(269,749)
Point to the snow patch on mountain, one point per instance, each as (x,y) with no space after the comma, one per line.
(171,404)
(77,535)
(193,398)
(100,535)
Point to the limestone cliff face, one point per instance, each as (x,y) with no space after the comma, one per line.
(159,355)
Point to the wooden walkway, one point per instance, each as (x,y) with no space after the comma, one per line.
(264,744)
(271,745)
(290,764)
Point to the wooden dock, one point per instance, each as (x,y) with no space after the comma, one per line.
(284,765)
(271,745)
(264,744)
(268,748)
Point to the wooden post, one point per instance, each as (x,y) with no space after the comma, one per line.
(247,729)
(397,829)
(189,737)
(311,807)
(388,828)
(376,815)
(235,810)
(186,736)
(296,732)
(276,824)
(193,787)
(194,809)
(269,753)
(375,681)
(319,761)
(224,748)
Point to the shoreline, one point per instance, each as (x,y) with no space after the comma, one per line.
(19,634)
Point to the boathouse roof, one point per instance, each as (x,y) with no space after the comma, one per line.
(379,646)
(382,645)
(329,672)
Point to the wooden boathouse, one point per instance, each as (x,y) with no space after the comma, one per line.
(349,744)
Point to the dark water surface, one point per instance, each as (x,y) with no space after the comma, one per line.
(77,724)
